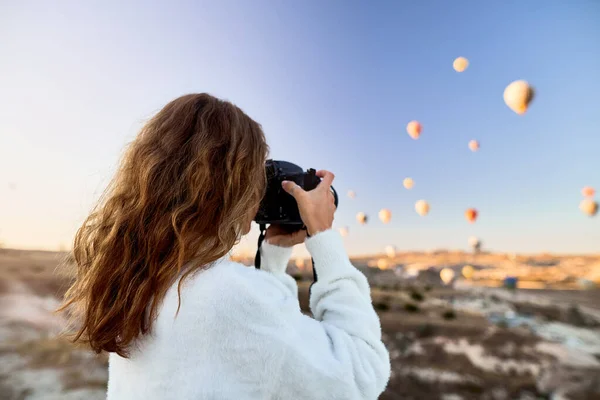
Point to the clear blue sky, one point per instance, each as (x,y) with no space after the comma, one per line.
(334,84)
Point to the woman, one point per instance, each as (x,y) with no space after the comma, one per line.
(156,289)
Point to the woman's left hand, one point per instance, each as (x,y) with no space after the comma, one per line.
(277,236)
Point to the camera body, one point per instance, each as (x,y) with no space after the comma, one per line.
(278,206)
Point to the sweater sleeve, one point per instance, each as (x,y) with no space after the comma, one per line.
(274,259)
(339,353)
(250,325)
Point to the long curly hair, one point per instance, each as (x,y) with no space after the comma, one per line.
(184,194)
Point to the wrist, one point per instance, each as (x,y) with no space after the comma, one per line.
(274,258)
(314,229)
(329,255)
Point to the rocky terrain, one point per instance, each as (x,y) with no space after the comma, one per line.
(464,340)
(36,362)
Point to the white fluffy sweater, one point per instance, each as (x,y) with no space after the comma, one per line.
(240,335)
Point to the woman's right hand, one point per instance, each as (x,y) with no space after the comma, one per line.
(316,206)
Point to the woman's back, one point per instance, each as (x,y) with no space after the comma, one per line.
(207,351)
(239,334)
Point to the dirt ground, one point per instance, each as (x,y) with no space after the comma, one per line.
(438,351)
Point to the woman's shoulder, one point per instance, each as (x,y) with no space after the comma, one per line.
(224,286)
(223,277)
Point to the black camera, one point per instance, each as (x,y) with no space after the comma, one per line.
(278,206)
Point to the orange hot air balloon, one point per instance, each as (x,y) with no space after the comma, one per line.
(422,207)
(588,191)
(518,95)
(343,231)
(414,129)
(408,183)
(351,194)
(385,215)
(474,145)
(588,207)
(471,215)
(362,218)
(460,64)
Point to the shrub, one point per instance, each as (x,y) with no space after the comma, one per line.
(425,330)
(502,324)
(381,306)
(449,314)
(416,296)
(410,307)
(495,299)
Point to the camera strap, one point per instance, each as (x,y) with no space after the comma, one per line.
(261,238)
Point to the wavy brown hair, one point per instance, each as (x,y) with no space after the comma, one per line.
(183,195)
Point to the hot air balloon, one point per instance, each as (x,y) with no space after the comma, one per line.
(408,183)
(518,95)
(588,191)
(474,145)
(343,231)
(390,251)
(471,215)
(299,263)
(382,263)
(351,194)
(362,218)
(422,207)
(414,129)
(467,271)
(475,243)
(460,64)
(447,275)
(588,207)
(385,215)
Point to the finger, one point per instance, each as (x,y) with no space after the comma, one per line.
(274,230)
(326,178)
(300,235)
(292,188)
(331,197)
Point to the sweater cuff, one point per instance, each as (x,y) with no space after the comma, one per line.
(274,258)
(329,255)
